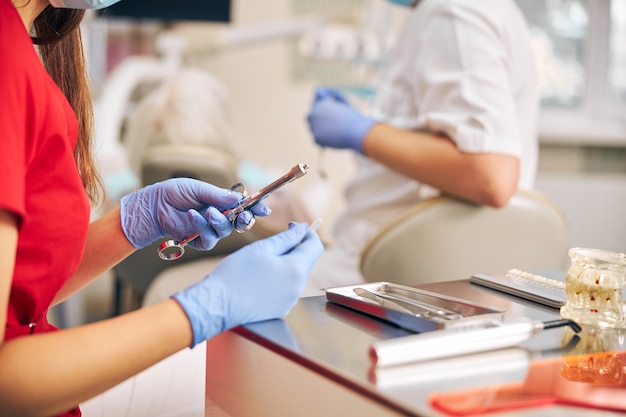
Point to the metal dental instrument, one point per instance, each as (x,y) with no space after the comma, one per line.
(392,305)
(170,249)
(406,306)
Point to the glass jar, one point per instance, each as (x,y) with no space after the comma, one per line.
(594,284)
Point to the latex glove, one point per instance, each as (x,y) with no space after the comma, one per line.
(260,281)
(173,208)
(335,123)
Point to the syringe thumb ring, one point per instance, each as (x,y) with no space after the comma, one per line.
(248,226)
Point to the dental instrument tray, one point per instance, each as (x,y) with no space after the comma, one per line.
(411,308)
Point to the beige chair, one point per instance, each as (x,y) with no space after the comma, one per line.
(135,274)
(195,161)
(444,239)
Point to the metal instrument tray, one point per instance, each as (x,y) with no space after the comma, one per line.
(432,311)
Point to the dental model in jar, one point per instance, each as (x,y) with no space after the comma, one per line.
(594,284)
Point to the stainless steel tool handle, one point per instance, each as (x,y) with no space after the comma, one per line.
(295,172)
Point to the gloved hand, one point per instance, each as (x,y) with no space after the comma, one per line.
(335,123)
(260,281)
(172,208)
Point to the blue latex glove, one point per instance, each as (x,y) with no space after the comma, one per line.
(172,208)
(260,281)
(335,123)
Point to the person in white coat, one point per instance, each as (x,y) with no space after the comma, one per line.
(455,113)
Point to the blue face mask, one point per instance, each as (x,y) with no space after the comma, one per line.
(406,3)
(82,4)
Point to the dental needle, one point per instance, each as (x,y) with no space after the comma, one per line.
(316,224)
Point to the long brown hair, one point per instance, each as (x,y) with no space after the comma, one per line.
(57,34)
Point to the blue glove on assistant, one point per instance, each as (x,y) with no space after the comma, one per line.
(335,123)
(172,208)
(260,281)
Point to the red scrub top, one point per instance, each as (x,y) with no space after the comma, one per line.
(39,179)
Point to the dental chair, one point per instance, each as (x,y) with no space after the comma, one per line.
(442,239)
(133,276)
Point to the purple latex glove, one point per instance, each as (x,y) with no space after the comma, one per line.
(173,208)
(261,281)
(335,123)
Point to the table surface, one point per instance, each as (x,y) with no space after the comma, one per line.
(334,341)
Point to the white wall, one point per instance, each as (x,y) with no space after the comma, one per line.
(589,184)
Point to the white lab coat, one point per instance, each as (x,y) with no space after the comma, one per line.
(462,68)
